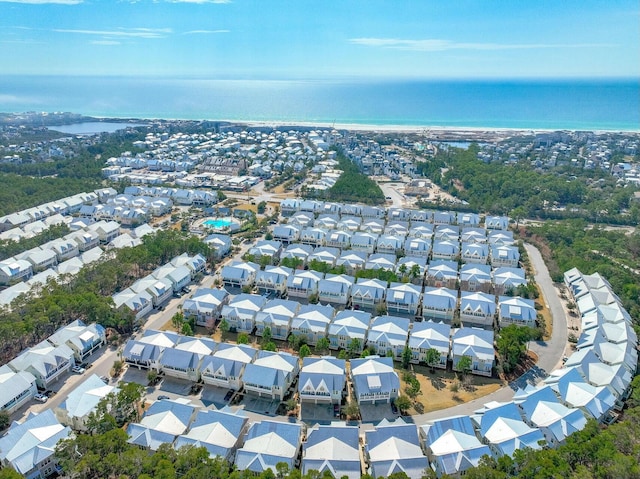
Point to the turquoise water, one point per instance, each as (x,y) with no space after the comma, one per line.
(218,224)
(602,104)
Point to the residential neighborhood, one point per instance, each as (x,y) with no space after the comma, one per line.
(455,283)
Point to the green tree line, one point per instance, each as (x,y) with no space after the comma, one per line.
(87,296)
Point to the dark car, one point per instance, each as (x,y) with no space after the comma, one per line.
(162,397)
(229,394)
(394,408)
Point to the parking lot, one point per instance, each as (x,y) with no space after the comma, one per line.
(212,395)
(260,405)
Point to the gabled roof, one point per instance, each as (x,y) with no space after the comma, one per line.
(217,431)
(84,398)
(333,448)
(395,447)
(28,443)
(350,323)
(428,335)
(474,342)
(268,443)
(390,329)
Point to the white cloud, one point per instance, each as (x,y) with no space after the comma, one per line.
(205,32)
(200,1)
(42,2)
(122,32)
(438,45)
(105,42)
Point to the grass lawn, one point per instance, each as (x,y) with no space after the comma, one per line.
(435,389)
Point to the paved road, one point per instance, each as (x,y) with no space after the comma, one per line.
(550,352)
(390,189)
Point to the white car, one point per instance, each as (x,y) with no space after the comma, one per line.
(40,397)
(78,370)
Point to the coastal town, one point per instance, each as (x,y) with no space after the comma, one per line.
(299,337)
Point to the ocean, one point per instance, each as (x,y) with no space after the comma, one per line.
(522,104)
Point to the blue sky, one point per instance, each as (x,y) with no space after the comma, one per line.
(291,39)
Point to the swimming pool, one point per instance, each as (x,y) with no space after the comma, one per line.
(218,224)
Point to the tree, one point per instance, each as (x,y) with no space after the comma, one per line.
(224,328)
(186,329)
(266,335)
(270,346)
(406,357)
(243,338)
(402,269)
(351,410)
(5,420)
(403,404)
(322,346)
(414,272)
(432,358)
(354,347)
(152,377)
(464,365)
(304,351)
(511,345)
(177,320)
(117,368)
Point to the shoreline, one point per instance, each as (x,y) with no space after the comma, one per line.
(369,127)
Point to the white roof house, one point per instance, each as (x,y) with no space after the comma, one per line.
(270,374)
(439,304)
(501,425)
(241,311)
(312,322)
(29,447)
(82,401)
(322,380)
(219,432)
(575,391)
(16,388)
(476,277)
(273,279)
(388,334)
(276,315)
(394,447)
(267,443)
(478,345)
(205,305)
(303,283)
(452,445)
(83,339)
(477,309)
(541,408)
(403,298)
(45,361)
(333,448)
(442,273)
(374,379)
(506,278)
(368,293)
(428,335)
(516,310)
(348,325)
(162,423)
(224,368)
(239,274)
(335,288)
(352,260)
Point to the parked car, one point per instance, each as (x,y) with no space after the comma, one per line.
(394,408)
(229,394)
(162,397)
(40,397)
(78,370)
(105,379)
